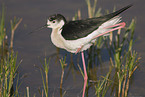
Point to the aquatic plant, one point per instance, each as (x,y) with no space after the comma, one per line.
(8,59)
(123,59)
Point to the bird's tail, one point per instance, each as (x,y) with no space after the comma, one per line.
(112,19)
(111,15)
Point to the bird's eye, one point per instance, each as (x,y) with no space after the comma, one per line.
(53,21)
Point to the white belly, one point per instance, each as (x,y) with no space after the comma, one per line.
(57,40)
(70,45)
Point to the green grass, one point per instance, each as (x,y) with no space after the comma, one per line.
(8,73)
(2,28)
(8,65)
(123,59)
(45,81)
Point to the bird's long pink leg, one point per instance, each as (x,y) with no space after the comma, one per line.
(85,74)
(120,25)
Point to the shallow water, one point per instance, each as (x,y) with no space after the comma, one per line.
(31,49)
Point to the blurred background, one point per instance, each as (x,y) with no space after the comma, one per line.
(31,49)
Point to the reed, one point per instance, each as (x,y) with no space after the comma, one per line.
(8,65)
(45,76)
(123,59)
(14,24)
(2,28)
(63,66)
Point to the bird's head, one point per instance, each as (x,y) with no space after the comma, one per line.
(56,21)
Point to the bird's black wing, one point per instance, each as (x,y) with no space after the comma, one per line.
(78,29)
(81,28)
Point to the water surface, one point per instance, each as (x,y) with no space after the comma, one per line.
(35,47)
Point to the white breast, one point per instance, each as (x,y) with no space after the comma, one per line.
(56,38)
(69,45)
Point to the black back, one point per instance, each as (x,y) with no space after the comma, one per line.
(81,28)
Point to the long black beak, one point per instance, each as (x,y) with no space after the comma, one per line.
(38,29)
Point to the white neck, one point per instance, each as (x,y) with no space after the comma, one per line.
(56,37)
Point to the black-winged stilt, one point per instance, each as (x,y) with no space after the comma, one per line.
(77,36)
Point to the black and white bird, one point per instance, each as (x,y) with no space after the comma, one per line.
(77,36)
